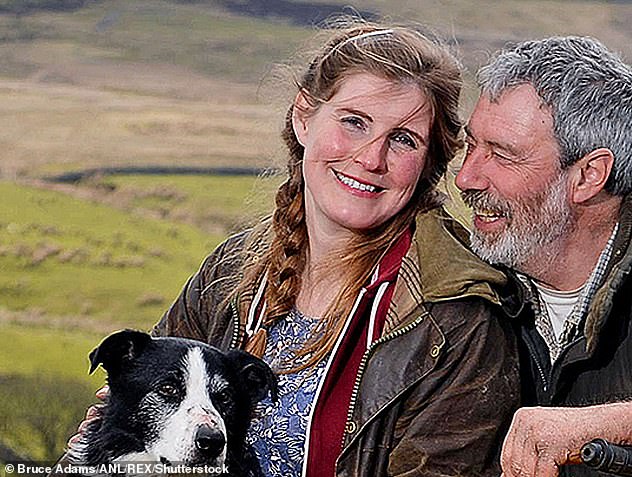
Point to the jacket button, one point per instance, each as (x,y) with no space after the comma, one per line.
(351,427)
(434,351)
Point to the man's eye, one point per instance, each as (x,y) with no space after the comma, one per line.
(503,157)
(404,140)
(168,390)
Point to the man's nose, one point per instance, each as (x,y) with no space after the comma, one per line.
(472,175)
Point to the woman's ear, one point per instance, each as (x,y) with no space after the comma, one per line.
(300,117)
(591,174)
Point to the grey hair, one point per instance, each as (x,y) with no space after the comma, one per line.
(588,90)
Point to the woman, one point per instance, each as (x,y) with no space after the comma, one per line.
(378,321)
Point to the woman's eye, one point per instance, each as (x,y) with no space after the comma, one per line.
(354,122)
(403,140)
(168,390)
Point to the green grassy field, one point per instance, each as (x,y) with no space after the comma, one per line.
(91,261)
(44,387)
(35,351)
(75,269)
(216,204)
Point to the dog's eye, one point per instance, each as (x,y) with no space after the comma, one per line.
(222,397)
(168,390)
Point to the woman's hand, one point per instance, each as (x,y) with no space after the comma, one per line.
(92,414)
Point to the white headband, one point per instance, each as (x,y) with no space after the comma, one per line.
(364,35)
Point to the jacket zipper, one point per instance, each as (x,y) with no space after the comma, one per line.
(365,358)
(536,360)
(559,363)
(235,318)
(319,389)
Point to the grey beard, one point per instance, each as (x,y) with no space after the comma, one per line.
(532,235)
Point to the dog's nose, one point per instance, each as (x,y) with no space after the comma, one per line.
(210,442)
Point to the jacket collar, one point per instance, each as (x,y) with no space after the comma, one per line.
(439,267)
(617,271)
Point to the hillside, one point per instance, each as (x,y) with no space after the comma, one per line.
(193,83)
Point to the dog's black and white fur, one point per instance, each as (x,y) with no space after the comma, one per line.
(173,401)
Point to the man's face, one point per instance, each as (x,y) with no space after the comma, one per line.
(512,179)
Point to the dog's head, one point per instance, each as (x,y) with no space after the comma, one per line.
(185,401)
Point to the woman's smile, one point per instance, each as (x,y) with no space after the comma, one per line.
(357,185)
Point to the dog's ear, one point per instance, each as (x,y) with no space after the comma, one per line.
(255,374)
(118,348)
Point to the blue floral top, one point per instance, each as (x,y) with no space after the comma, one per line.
(278,431)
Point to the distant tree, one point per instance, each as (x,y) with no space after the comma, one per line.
(39,413)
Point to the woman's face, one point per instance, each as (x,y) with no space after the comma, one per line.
(364,152)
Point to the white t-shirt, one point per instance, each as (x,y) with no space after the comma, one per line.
(558,304)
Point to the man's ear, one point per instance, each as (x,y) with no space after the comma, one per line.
(117,349)
(255,375)
(300,116)
(590,174)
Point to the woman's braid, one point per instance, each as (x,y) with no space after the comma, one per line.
(287,254)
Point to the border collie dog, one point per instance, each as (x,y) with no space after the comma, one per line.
(173,401)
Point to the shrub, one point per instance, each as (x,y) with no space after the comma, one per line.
(39,413)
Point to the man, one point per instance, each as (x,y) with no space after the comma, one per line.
(548,175)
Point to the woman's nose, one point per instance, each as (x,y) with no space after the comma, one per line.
(372,156)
